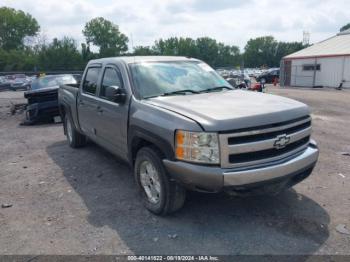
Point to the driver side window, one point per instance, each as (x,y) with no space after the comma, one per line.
(111,77)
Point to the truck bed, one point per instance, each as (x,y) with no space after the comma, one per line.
(67,96)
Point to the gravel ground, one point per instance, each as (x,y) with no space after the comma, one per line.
(67,201)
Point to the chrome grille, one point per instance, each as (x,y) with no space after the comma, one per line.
(264,144)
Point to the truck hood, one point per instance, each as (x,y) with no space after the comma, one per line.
(230,110)
(41,91)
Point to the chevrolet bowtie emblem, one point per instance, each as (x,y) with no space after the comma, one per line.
(281,141)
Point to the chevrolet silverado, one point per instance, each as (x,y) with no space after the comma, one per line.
(182,127)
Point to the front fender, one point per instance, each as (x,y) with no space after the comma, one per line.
(138,134)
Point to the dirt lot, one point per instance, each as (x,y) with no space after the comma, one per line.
(67,201)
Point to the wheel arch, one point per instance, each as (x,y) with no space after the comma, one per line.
(139,138)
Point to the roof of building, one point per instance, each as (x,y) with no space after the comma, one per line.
(337,45)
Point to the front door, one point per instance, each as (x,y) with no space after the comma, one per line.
(112,120)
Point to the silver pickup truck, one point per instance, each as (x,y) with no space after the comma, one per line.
(182,127)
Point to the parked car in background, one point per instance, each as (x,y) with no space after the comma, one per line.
(19,82)
(269,76)
(223,72)
(4,84)
(257,72)
(42,97)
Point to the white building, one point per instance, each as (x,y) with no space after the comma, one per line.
(326,63)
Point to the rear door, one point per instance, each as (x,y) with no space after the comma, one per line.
(112,121)
(87,102)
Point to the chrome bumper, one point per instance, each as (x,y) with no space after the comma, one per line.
(215,178)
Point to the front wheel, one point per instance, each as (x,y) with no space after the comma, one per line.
(75,139)
(159,193)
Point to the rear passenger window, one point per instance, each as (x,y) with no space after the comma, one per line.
(110,78)
(90,81)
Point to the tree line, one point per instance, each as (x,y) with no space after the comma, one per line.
(22,47)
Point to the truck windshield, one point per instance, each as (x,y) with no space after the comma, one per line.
(153,79)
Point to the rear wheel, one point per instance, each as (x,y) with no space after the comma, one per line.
(159,193)
(75,139)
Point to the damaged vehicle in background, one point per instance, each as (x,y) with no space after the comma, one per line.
(43,98)
(239,79)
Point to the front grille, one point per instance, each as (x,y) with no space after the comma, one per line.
(261,145)
(43,98)
(268,153)
(270,135)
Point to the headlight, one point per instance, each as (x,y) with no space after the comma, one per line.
(197,147)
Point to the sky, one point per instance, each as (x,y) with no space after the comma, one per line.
(232,22)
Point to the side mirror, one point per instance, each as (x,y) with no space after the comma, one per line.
(115,94)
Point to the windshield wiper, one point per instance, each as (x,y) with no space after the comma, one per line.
(184,91)
(216,88)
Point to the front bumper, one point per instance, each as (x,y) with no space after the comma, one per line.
(43,110)
(214,179)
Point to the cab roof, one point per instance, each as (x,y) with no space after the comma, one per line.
(140,59)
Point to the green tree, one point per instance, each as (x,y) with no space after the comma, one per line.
(217,54)
(17,59)
(15,25)
(106,36)
(187,47)
(286,48)
(260,51)
(227,56)
(167,46)
(266,51)
(207,49)
(176,46)
(143,51)
(345,27)
(86,54)
(60,55)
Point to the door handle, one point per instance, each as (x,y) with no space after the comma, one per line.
(81,102)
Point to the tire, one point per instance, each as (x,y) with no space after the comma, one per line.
(75,139)
(168,196)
